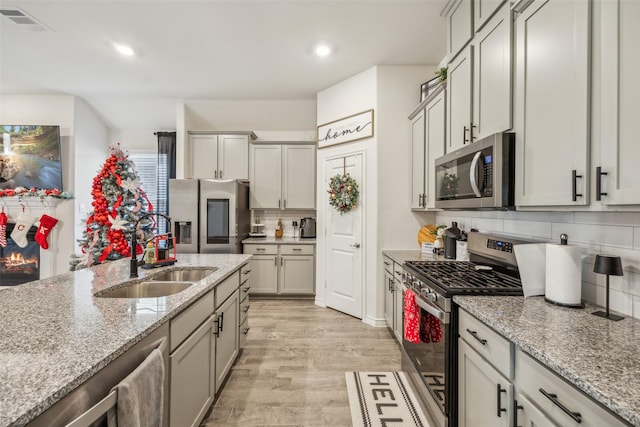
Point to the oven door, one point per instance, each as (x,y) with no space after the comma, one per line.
(431,358)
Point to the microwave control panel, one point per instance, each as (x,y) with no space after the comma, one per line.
(487,189)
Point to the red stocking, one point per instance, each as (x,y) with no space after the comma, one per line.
(3,229)
(46,224)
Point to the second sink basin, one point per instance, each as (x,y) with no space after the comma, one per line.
(151,289)
(183,275)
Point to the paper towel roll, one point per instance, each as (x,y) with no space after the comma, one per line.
(531,259)
(563,275)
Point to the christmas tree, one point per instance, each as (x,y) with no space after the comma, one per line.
(118,203)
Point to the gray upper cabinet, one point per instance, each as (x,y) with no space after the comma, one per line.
(483,10)
(617,172)
(220,156)
(552,103)
(479,83)
(282,176)
(459,14)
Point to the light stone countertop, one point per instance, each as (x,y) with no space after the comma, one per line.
(598,356)
(402,255)
(284,240)
(56,334)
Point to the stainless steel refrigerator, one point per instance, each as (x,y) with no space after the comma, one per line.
(209,216)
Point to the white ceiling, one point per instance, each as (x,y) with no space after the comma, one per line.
(219,50)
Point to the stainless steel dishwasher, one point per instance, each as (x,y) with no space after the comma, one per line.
(98,386)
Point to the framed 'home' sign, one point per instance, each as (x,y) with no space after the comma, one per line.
(348,129)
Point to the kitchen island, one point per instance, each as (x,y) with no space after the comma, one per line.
(599,357)
(56,335)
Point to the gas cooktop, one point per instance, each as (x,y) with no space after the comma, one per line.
(464,278)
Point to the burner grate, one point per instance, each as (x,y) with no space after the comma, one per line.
(464,278)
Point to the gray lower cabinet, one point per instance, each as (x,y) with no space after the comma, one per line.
(204,344)
(528,415)
(227,344)
(282,269)
(193,376)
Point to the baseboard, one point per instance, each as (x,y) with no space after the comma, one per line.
(378,323)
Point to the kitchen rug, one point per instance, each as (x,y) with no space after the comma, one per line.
(383,399)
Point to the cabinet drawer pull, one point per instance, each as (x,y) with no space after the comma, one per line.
(574,185)
(246,272)
(246,288)
(297,249)
(554,398)
(500,409)
(260,249)
(398,273)
(246,308)
(386,263)
(245,330)
(475,335)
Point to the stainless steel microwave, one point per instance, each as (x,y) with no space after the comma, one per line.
(478,176)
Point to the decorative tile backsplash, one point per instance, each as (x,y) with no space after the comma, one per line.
(270,219)
(609,233)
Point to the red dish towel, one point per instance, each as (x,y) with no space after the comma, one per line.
(411,317)
(430,327)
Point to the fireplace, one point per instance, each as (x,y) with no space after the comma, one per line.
(19,265)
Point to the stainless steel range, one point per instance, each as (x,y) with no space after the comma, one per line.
(432,362)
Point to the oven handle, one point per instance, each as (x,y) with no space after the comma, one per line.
(443,316)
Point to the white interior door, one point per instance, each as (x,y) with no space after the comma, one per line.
(344,245)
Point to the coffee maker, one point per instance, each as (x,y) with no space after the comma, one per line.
(307,228)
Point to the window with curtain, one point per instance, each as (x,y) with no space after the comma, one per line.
(153,173)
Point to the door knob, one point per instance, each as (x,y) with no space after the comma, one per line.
(355,245)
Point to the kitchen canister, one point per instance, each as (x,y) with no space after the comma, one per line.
(563,274)
(461,251)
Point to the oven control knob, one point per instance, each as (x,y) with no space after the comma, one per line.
(432,296)
(415,284)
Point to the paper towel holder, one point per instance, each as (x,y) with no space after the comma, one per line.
(611,266)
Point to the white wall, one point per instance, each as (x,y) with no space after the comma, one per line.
(91,151)
(81,131)
(356,94)
(393,92)
(613,233)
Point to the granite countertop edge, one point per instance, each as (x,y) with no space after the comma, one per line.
(284,240)
(505,315)
(21,412)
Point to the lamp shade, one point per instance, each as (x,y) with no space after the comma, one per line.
(610,265)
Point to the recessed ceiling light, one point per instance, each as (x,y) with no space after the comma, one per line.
(123,49)
(322,50)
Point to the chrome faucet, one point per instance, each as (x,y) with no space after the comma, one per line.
(133,271)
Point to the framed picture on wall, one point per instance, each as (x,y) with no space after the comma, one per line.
(348,129)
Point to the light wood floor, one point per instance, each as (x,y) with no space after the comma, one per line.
(291,371)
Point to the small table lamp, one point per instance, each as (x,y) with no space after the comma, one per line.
(611,266)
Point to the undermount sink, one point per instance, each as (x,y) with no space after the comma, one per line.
(148,289)
(183,275)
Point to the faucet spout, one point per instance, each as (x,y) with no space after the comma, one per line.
(133,269)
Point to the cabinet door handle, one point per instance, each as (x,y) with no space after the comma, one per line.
(499,391)
(281,261)
(275,261)
(216,173)
(475,335)
(471,131)
(221,321)
(355,245)
(554,398)
(464,135)
(246,288)
(285,203)
(515,412)
(220,173)
(278,202)
(574,185)
(245,330)
(217,331)
(386,263)
(599,192)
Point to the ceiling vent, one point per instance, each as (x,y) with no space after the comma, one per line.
(21,18)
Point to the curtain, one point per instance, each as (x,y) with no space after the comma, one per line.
(167,146)
(166,169)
